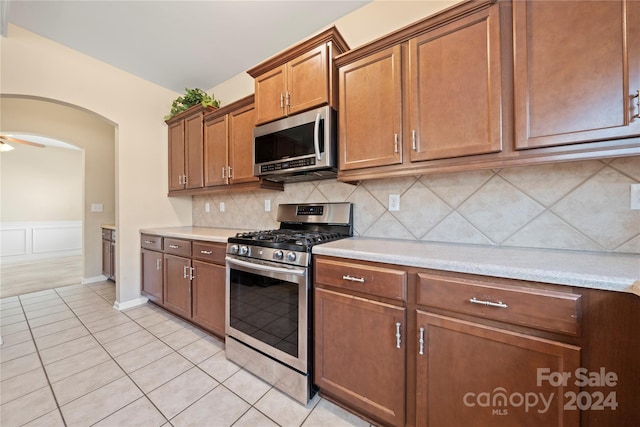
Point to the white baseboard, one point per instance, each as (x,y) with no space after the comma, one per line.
(130,304)
(94,279)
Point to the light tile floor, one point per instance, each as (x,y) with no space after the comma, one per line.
(68,358)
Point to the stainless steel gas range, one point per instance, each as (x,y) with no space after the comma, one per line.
(269,309)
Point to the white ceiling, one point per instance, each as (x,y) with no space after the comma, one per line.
(178,44)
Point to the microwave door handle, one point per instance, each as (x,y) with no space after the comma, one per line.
(316,139)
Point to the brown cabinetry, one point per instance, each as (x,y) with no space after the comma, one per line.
(186,138)
(109,253)
(187,278)
(360,339)
(577,71)
(299,78)
(450,79)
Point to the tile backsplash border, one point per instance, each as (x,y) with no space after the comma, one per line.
(580,205)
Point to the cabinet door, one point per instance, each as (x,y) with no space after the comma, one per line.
(194,151)
(106,258)
(241,124)
(577,69)
(357,358)
(270,95)
(370,91)
(308,81)
(152,275)
(112,258)
(176,156)
(474,375)
(209,287)
(455,89)
(215,152)
(177,285)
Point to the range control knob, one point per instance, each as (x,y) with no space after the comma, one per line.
(291,256)
(233,249)
(278,255)
(244,250)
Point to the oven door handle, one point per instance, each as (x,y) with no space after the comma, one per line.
(264,267)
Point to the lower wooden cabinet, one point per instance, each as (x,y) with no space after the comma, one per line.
(469,374)
(177,284)
(360,353)
(208,291)
(109,253)
(152,272)
(187,278)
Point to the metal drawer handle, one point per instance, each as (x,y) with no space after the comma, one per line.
(413,140)
(498,304)
(149,242)
(191,271)
(637,95)
(353,279)
(174,246)
(421,341)
(184,271)
(395,142)
(398,336)
(206,252)
(158,264)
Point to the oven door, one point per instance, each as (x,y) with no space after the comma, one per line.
(267,309)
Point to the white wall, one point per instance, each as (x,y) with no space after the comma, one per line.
(35,66)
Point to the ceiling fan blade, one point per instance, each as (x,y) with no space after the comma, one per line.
(20,141)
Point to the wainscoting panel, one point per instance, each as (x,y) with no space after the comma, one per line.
(34,241)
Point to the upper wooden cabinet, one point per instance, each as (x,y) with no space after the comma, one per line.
(577,71)
(299,78)
(228,147)
(434,93)
(185,149)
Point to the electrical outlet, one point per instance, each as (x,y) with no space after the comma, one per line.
(267,205)
(635,196)
(207,207)
(221,206)
(96,207)
(394,202)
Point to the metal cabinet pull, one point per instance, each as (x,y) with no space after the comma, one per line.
(191,271)
(223,171)
(637,95)
(158,264)
(413,140)
(149,242)
(206,252)
(398,336)
(353,279)
(498,304)
(421,341)
(174,246)
(281,100)
(288,98)
(395,142)
(184,271)
(230,175)
(180,180)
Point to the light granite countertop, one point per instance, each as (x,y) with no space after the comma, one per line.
(606,271)
(208,234)
(109,226)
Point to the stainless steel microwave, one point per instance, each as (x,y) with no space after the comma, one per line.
(297,148)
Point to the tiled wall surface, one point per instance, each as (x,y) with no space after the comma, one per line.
(577,206)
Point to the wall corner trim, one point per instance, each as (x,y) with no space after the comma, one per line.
(130,304)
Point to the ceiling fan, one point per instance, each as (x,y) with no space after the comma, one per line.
(5,139)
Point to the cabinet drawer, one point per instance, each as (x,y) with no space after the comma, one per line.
(378,281)
(148,241)
(209,252)
(107,234)
(177,247)
(537,308)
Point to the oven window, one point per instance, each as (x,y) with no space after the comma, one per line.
(265,308)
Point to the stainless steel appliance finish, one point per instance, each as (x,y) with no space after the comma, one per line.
(268,305)
(297,148)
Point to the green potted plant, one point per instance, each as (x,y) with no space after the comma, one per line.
(191,97)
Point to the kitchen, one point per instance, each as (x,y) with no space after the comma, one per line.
(463,201)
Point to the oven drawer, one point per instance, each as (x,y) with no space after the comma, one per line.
(177,247)
(537,308)
(151,242)
(209,252)
(369,279)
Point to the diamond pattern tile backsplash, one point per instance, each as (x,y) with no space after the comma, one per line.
(577,206)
